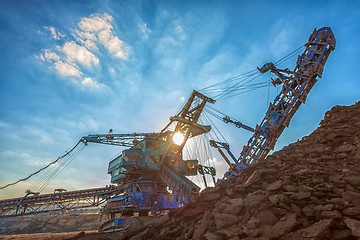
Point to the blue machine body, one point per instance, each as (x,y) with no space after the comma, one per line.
(143,196)
(152,169)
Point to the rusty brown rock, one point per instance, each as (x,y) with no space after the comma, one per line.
(194,212)
(309,210)
(253,200)
(211,196)
(339,201)
(353,225)
(353,197)
(331,214)
(235,238)
(301,195)
(274,186)
(345,148)
(235,206)
(232,231)
(284,226)
(353,180)
(201,227)
(351,211)
(212,236)
(223,220)
(341,234)
(290,188)
(318,231)
(266,217)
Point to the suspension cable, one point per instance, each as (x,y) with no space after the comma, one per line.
(49,173)
(61,169)
(242,81)
(41,169)
(244,75)
(281,60)
(226,94)
(216,131)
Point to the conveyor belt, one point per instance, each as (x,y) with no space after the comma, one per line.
(58,201)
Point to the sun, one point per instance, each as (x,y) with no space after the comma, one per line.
(178,138)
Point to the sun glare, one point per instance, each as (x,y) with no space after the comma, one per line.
(178,138)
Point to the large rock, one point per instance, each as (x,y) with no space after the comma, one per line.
(345,148)
(341,234)
(274,186)
(212,236)
(353,225)
(317,231)
(202,226)
(266,217)
(211,196)
(253,200)
(301,195)
(284,226)
(223,220)
(232,231)
(235,206)
(353,197)
(351,211)
(331,214)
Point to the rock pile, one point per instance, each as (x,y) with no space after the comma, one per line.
(308,190)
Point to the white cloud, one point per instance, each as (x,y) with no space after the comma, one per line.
(87,38)
(112,43)
(76,53)
(91,83)
(98,28)
(69,58)
(50,56)
(67,69)
(96,23)
(55,34)
(62,67)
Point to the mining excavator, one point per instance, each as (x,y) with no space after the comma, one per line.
(151,174)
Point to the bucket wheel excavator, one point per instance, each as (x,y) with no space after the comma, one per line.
(151,175)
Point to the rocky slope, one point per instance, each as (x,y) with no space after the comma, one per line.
(308,190)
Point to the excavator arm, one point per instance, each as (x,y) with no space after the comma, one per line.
(125,140)
(296,85)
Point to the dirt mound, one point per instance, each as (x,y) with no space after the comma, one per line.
(308,190)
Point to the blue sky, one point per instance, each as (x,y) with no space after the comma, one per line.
(72,68)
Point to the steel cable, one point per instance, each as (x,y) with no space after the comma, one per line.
(40,170)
